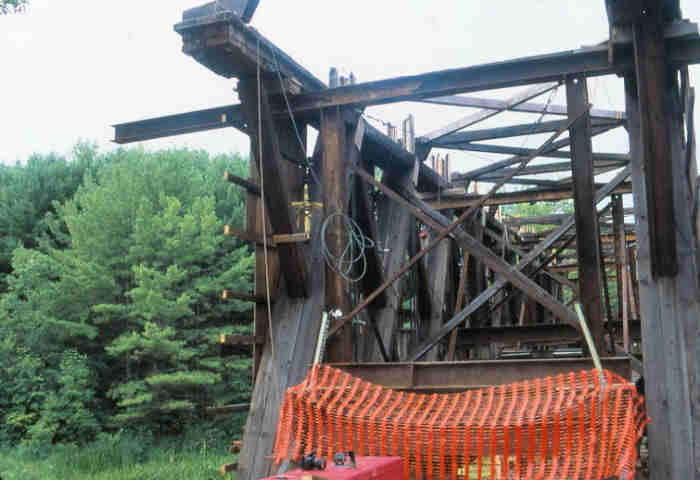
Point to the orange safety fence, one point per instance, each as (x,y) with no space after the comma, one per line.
(565,427)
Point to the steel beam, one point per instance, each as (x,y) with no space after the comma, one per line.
(590,62)
(455,376)
(190,122)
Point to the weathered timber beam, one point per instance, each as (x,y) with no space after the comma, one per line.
(508,334)
(537,182)
(500,283)
(545,168)
(507,150)
(456,376)
(529,70)
(652,73)
(587,238)
(333,138)
(527,196)
(168,125)
(277,196)
(512,131)
(529,107)
(483,114)
(228,47)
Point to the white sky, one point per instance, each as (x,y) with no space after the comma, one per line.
(72,68)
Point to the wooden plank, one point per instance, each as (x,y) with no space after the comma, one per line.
(652,72)
(277,194)
(484,114)
(587,237)
(333,139)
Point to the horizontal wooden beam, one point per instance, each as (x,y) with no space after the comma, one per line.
(526,196)
(511,131)
(510,334)
(529,107)
(520,151)
(515,159)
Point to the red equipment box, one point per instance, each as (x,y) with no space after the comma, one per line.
(368,468)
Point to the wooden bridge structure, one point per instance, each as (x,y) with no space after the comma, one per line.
(454,294)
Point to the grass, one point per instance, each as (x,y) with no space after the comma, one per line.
(121,456)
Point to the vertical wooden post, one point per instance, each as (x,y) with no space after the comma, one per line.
(618,218)
(584,208)
(655,133)
(670,306)
(621,266)
(333,138)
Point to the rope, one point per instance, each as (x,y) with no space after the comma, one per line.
(309,166)
(264,216)
(352,253)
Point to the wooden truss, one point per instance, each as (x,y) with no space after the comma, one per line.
(449,277)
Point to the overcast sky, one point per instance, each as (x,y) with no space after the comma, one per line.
(72,68)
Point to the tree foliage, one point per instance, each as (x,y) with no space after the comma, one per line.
(12,6)
(114,293)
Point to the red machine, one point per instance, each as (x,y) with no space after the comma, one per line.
(367,468)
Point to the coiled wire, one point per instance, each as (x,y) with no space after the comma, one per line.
(354,251)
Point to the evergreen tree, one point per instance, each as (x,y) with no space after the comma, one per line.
(131,305)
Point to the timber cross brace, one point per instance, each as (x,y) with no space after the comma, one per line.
(443,275)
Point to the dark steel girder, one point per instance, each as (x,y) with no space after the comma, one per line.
(190,122)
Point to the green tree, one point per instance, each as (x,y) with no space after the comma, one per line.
(135,294)
(28,193)
(12,6)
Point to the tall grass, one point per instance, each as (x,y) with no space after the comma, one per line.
(122,456)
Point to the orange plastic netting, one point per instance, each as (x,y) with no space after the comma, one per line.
(563,427)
